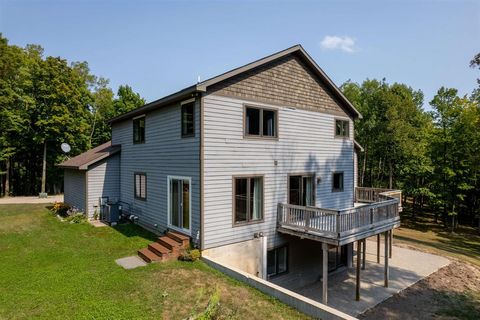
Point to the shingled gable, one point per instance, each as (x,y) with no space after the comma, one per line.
(213,83)
(92,156)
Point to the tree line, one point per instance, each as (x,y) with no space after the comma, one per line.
(432,156)
(44,102)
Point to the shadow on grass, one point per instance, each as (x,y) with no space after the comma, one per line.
(454,247)
(133,230)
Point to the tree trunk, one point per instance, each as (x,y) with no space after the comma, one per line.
(7,177)
(390,174)
(364,168)
(44,167)
(413,207)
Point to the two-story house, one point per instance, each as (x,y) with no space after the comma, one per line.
(256,166)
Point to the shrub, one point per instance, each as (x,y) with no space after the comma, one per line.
(60,208)
(76,218)
(190,255)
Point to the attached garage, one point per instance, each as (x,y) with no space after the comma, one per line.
(92,175)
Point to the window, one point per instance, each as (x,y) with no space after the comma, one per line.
(140,186)
(248,198)
(139,130)
(277,261)
(188,124)
(260,122)
(301,190)
(341,128)
(337,184)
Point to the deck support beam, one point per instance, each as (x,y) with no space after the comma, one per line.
(364,253)
(357,280)
(390,243)
(325,273)
(386,258)
(378,248)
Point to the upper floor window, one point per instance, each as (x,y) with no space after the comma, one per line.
(260,122)
(341,128)
(140,182)
(337,184)
(188,118)
(301,190)
(139,130)
(248,199)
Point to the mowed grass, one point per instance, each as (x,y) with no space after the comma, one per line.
(424,233)
(54,270)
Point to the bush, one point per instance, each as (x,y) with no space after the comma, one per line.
(60,208)
(76,218)
(190,255)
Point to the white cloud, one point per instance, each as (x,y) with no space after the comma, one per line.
(346,44)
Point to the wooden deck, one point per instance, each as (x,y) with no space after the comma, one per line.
(338,227)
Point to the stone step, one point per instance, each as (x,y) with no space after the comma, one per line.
(159,250)
(169,243)
(179,237)
(148,256)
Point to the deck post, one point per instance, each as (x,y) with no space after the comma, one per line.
(390,243)
(378,248)
(325,273)
(357,280)
(364,253)
(386,259)
(350,255)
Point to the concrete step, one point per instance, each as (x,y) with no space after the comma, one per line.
(148,256)
(179,237)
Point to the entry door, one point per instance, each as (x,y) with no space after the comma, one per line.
(179,203)
(301,190)
(337,257)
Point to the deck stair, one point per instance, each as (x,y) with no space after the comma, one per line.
(167,247)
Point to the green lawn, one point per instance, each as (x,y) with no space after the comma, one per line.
(424,233)
(55,270)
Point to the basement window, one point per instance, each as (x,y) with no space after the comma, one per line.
(277,261)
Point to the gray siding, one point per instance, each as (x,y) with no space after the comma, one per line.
(306,144)
(103,181)
(355,169)
(163,154)
(74,188)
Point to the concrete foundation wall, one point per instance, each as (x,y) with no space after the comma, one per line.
(308,306)
(246,256)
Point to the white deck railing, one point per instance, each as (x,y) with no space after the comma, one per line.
(382,208)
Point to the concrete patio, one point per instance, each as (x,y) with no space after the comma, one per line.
(406,268)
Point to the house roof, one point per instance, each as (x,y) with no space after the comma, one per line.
(203,86)
(357,146)
(92,156)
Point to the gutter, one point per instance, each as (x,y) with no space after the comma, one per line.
(174,97)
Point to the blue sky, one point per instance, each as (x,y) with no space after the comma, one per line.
(160,47)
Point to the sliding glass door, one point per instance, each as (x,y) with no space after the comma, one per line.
(301,190)
(179,203)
